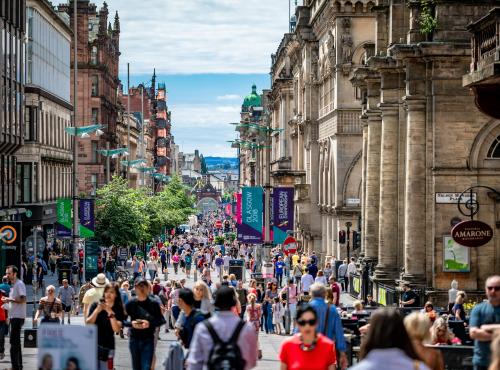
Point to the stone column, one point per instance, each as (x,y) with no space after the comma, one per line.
(320,174)
(388,208)
(363,183)
(415,210)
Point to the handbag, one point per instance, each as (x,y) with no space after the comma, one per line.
(48,319)
(103,353)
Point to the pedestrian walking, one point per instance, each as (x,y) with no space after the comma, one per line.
(321,278)
(190,317)
(175,262)
(110,269)
(94,294)
(49,307)
(308,349)
(278,314)
(188,260)
(342,275)
(271,293)
(484,321)
(152,267)
(17,315)
(145,315)
(329,323)
(297,273)
(66,294)
(388,343)
(335,290)
(224,338)
(290,294)
(306,281)
(351,270)
(242,297)
(279,270)
(203,298)
(75,273)
(107,315)
(254,315)
(3,325)
(53,262)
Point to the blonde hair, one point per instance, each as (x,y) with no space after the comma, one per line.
(460,297)
(232,277)
(418,326)
(204,288)
(357,305)
(441,323)
(329,295)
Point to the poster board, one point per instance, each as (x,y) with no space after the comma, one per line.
(456,257)
(61,345)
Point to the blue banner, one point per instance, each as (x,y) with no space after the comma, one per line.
(87,220)
(283,208)
(250,229)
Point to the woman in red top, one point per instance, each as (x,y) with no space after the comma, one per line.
(307,350)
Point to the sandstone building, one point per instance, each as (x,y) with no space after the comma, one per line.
(98,58)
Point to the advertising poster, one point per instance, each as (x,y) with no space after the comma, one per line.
(250,229)
(64,218)
(282,213)
(63,347)
(86,215)
(91,256)
(10,244)
(456,257)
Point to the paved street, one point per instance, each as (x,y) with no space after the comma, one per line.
(270,344)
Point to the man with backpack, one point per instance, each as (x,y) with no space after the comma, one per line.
(224,341)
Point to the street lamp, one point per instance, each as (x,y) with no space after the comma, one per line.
(78,132)
(112,153)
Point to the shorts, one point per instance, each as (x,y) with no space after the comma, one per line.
(66,308)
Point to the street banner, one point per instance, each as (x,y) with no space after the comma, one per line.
(250,229)
(238,208)
(283,208)
(228,209)
(64,218)
(92,252)
(63,347)
(87,220)
(10,244)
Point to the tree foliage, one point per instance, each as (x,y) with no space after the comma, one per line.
(203,164)
(126,216)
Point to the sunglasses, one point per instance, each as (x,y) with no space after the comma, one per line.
(311,322)
(495,288)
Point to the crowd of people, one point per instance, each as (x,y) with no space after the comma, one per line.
(219,319)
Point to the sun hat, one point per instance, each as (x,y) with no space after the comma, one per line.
(100,281)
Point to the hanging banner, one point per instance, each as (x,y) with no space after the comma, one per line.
(282,213)
(250,229)
(64,218)
(238,208)
(228,209)
(10,244)
(87,220)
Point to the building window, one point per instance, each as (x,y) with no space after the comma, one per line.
(95,115)
(95,86)
(24,183)
(93,183)
(93,55)
(94,151)
(494,151)
(30,123)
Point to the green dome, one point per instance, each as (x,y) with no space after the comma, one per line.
(253,99)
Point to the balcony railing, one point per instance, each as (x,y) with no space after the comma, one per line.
(485,40)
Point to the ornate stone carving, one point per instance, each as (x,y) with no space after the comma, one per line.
(314,65)
(331,49)
(347,42)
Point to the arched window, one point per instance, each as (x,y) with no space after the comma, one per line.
(494,151)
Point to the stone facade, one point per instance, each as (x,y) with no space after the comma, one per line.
(98,59)
(422,136)
(314,110)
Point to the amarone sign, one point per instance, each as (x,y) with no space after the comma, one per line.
(472,233)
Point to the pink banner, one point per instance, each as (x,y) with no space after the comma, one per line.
(227,209)
(238,208)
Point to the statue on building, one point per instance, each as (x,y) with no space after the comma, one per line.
(347,42)
(331,49)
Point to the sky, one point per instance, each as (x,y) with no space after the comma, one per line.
(208,52)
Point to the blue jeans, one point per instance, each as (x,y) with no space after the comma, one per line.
(175,313)
(142,351)
(111,276)
(269,319)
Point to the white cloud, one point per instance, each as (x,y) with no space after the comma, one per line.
(204,127)
(229,97)
(200,36)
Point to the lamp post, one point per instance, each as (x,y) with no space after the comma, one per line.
(348,238)
(75,233)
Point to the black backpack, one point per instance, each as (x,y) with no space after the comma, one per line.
(225,355)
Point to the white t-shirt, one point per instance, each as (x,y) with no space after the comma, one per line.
(351,269)
(306,281)
(17,310)
(226,260)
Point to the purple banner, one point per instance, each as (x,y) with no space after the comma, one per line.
(283,208)
(87,220)
(250,229)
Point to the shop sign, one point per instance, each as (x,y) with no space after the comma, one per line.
(456,257)
(452,198)
(472,233)
(353,201)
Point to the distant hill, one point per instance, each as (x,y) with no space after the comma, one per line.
(221,163)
